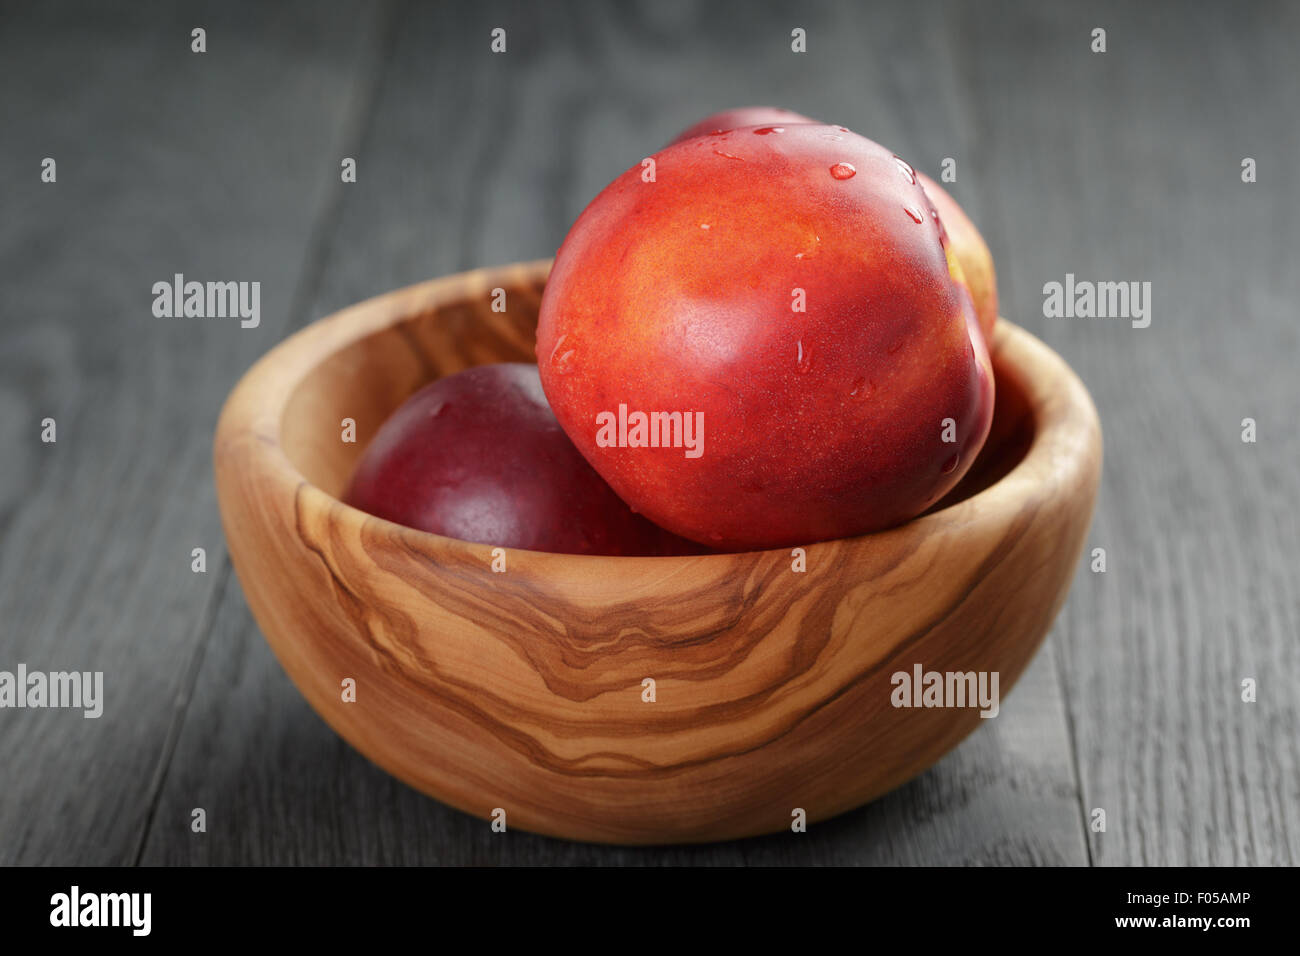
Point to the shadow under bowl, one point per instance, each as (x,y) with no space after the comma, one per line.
(524,691)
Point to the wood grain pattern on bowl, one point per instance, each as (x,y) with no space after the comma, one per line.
(522,690)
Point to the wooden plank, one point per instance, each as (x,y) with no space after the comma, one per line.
(475,159)
(1127,166)
(214,165)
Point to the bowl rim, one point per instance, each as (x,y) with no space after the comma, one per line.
(1057,400)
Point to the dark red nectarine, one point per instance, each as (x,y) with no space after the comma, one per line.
(774,310)
(479,456)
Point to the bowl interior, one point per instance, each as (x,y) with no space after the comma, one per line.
(366,378)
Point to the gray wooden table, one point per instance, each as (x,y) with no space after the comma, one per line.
(1122,165)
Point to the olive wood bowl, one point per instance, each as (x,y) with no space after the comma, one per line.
(522,690)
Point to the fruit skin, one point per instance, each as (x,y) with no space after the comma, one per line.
(971,251)
(742,116)
(479,456)
(818,424)
(974,261)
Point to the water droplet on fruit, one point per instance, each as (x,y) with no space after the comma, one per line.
(560,360)
(704,225)
(835,136)
(803,359)
(726,155)
(843,171)
(950,464)
(906,169)
(842,129)
(862,389)
(943,233)
(915,214)
(766,130)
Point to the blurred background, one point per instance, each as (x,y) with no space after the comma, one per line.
(1123,165)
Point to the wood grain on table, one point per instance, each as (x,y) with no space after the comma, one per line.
(225,165)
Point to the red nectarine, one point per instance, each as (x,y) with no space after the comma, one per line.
(973,265)
(786,292)
(742,116)
(970,250)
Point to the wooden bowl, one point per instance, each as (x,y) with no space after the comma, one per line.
(522,690)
